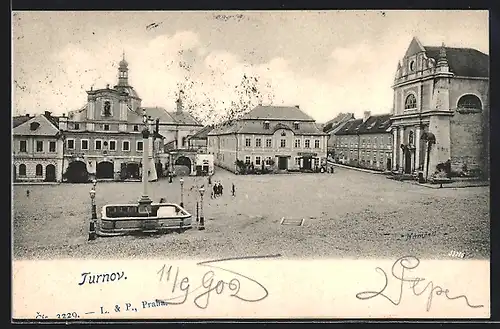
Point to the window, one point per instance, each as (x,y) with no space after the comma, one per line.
(412,66)
(22,146)
(106,127)
(258,142)
(283,143)
(297,161)
(316,144)
(469,102)
(70,144)
(39,146)
(22,169)
(308,144)
(296,125)
(266,125)
(257,161)
(112,145)
(140,145)
(77,126)
(52,146)
(268,161)
(247,159)
(34,126)
(410,102)
(183,141)
(248,142)
(125,146)
(98,144)
(269,142)
(297,143)
(316,162)
(39,170)
(136,128)
(85,144)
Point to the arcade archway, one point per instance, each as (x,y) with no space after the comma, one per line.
(104,170)
(77,172)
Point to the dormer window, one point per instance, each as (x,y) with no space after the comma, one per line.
(266,124)
(296,125)
(410,102)
(77,126)
(412,66)
(34,126)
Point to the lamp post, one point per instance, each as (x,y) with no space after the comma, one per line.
(181,181)
(145,202)
(201,226)
(93,219)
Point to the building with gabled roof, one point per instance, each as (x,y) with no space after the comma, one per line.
(37,150)
(366,142)
(332,126)
(279,138)
(441,110)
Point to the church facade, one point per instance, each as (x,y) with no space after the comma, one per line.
(441,111)
(103,140)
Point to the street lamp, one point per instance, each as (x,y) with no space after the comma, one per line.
(202,219)
(145,202)
(181,181)
(93,219)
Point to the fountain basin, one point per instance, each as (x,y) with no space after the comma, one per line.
(120,219)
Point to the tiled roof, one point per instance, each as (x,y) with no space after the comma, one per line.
(277,113)
(375,124)
(184,118)
(340,118)
(159,113)
(202,133)
(19,119)
(44,127)
(244,127)
(463,61)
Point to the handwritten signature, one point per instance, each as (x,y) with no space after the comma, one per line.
(209,284)
(410,263)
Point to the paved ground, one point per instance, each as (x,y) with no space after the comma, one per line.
(348,214)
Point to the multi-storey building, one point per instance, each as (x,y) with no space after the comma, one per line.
(199,140)
(104,139)
(441,110)
(275,137)
(332,127)
(366,142)
(37,149)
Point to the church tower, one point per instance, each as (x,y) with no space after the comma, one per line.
(123,72)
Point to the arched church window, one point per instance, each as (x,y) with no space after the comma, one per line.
(470,102)
(410,102)
(410,138)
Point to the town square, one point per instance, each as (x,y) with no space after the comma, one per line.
(177,143)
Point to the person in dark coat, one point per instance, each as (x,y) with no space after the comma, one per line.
(233,189)
(214,192)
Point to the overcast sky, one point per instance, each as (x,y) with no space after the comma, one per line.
(326,62)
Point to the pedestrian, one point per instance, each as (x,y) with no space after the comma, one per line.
(27,193)
(214,192)
(233,189)
(221,188)
(209,180)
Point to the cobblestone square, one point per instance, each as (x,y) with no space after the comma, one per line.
(348,214)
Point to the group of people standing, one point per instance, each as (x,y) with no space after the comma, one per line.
(218,189)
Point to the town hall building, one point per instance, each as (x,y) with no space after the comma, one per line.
(441,110)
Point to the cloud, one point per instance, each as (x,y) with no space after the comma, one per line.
(354,78)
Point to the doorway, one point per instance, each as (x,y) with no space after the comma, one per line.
(389,164)
(282,163)
(307,163)
(407,167)
(50,173)
(104,170)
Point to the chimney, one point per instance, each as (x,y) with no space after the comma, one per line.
(297,106)
(27,115)
(179,105)
(48,114)
(366,115)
